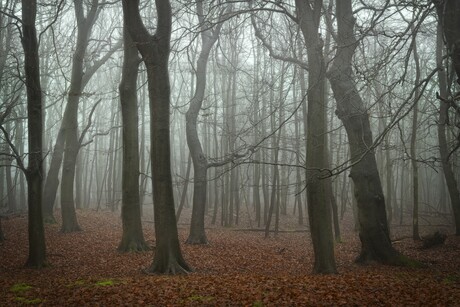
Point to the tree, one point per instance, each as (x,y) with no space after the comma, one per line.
(155,51)
(2,235)
(449,23)
(37,247)
(413,148)
(373,227)
(319,210)
(200,164)
(68,143)
(133,237)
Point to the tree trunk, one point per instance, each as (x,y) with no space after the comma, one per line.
(319,210)
(155,52)
(413,148)
(11,197)
(200,164)
(183,198)
(373,228)
(69,216)
(37,247)
(2,235)
(132,239)
(52,178)
(452,186)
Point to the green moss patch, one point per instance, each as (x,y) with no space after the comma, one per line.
(105,283)
(200,298)
(20,287)
(28,301)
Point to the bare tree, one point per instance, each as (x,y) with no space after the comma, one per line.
(155,51)
(37,247)
(200,164)
(373,227)
(133,237)
(319,210)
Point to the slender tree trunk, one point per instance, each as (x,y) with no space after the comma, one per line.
(52,178)
(37,247)
(183,198)
(200,164)
(10,189)
(413,149)
(319,211)
(2,235)
(132,238)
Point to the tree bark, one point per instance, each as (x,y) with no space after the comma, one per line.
(37,247)
(373,228)
(155,53)
(132,239)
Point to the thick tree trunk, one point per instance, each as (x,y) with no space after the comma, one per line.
(373,228)
(155,52)
(452,185)
(168,257)
(132,239)
(37,247)
(448,12)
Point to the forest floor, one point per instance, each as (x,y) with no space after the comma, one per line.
(237,268)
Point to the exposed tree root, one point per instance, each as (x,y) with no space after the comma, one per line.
(133,246)
(173,267)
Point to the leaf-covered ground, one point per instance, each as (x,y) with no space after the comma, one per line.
(237,268)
